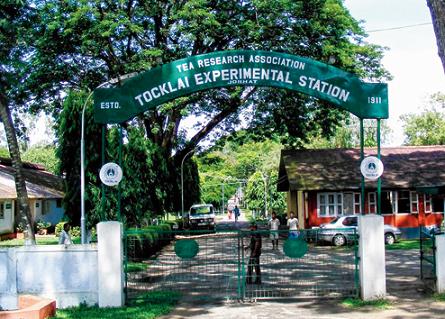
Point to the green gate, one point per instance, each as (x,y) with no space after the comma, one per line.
(427,258)
(203,265)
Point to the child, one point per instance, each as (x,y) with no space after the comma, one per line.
(274,225)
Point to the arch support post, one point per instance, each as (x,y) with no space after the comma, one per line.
(372,257)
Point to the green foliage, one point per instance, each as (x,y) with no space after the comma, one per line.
(428,127)
(439,297)
(4,152)
(355,303)
(261,190)
(68,133)
(136,267)
(75,231)
(83,47)
(58,229)
(145,242)
(45,155)
(147,306)
(404,244)
(240,157)
(150,182)
(347,135)
(42,225)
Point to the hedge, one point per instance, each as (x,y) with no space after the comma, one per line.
(147,241)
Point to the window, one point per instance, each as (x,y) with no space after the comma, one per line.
(427,203)
(59,203)
(357,203)
(387,202)
(46,207)
(414,202)
(403,202)
(406,202)
(350,221)
(329,204)
(2,210)
(372,202)
(438,204)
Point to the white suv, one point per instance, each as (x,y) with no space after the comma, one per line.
(201,216)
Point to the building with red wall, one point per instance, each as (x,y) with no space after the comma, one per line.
(325,183)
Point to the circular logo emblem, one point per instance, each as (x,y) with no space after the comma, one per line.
(186,248)
(371,168)
(110,174)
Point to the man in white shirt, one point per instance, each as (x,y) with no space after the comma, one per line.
(65,237)
(292,223)
(274,225)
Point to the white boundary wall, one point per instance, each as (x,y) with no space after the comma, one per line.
(70,274)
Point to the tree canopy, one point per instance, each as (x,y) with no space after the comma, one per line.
(80,44)
(428,127)
(74,46)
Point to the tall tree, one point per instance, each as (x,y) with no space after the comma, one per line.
(85,43)
(428,127)
(437,9)
(13,21)
(82,43)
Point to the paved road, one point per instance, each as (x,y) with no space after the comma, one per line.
(419,308)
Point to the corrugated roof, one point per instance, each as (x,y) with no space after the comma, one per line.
(338,169)
(39,183)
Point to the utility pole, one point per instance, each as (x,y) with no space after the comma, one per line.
(265,193)
(182,185)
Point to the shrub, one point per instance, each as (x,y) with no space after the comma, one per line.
(145,242)
(74,232)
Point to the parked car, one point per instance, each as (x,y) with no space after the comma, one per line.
(201,216)
(341,231)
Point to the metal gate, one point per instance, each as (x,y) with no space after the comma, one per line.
(427,258)
(205,265)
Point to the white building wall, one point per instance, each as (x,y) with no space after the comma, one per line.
(7,222)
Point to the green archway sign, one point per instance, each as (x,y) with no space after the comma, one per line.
(240,67)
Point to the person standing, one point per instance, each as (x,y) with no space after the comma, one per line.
(236,212)
(65,237)
(274,225)
(292,223)
(254,258)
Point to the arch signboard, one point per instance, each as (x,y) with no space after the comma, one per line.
(240,67)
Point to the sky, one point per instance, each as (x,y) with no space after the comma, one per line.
(411,58)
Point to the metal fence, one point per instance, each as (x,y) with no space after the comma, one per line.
(214,265)
(427,258)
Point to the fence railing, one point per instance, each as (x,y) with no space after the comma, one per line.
(215,265)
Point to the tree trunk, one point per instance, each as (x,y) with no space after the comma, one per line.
(20,183)
(437,9)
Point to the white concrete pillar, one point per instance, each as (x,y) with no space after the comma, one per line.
(440,263)
(110,254)
(372,257)
(8,280)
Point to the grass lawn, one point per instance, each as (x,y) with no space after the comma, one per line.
(404,244)
(354,303)
(148,306)
(135,266)
(43,240)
